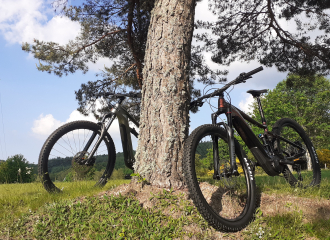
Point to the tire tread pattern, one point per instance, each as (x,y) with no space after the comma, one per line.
(290,122)
(46,148)
(195,193)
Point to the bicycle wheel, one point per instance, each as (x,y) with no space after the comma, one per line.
(305,172)
(59,154)
(228,203)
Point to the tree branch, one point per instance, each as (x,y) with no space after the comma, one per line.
(130,42)
(121,30)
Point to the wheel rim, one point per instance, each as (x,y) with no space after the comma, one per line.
(302,173)
(228,197)
(62,164)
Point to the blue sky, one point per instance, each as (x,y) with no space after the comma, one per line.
(34,104)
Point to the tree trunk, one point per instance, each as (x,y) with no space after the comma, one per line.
(164,118)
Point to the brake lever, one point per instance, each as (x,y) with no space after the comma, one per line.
(196,104)
(241,78)
(200,104)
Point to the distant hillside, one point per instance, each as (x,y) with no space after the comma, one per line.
(61,166)
(202,148)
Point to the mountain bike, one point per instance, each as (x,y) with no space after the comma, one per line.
(219,175)
(83,150)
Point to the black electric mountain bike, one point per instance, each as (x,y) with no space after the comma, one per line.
(218,173)
(83,150)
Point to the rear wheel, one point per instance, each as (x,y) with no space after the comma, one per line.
(227,203)
(305,172)
(62,158)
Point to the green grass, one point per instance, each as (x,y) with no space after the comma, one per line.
(100,218)
(278,185)
(16,199)
(286,226)
(27,211)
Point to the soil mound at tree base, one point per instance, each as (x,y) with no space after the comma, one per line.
(150,197)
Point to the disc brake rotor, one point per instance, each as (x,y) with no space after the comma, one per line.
(79,163)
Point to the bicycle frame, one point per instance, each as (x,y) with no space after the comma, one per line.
(264,154)
(125,133)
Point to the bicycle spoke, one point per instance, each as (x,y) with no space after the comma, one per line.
(74,141)
(69,144)
(66,149)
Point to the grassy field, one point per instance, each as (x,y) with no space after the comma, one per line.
(27,211)
(278,185)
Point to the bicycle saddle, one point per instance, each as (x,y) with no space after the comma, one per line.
(257,93)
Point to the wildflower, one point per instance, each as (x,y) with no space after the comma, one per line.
(260,232)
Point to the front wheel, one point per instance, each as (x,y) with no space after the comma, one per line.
(227,203)
(306,171)
(62,157)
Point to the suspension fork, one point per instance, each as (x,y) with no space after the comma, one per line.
(104,129)
(223,107)
(216,159)
(231,142)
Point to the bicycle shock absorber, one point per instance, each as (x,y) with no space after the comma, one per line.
(262,137)
(265,142)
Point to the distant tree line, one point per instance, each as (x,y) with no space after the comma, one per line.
(17,169)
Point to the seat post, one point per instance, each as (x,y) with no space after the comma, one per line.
(263,119)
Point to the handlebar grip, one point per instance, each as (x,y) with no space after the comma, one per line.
(254,71)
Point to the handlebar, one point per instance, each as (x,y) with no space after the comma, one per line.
(240,79)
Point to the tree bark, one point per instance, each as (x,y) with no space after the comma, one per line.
(164,121)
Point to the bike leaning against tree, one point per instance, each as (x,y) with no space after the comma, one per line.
(227,198)
(72,152)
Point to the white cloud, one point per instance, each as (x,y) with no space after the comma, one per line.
(202,12)
(45,125)
(22,21)
(100,64)
(244,105)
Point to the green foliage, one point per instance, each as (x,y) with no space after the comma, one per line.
(306,101)
(204,156)
(117,174)
(61,168)
(111,29)
(324,157)
(255,30)
(16,169)
(139,178)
